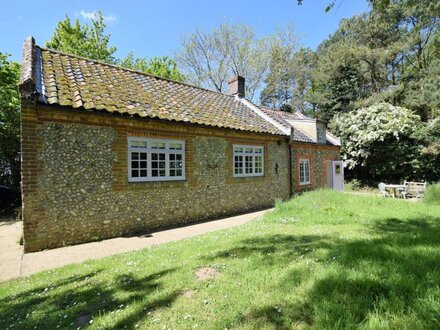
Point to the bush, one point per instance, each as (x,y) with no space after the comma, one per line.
(378,143)
(432,195)
(353,185)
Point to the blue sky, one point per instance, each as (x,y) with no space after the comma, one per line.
(155,28)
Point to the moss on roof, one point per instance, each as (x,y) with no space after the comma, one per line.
(81,83)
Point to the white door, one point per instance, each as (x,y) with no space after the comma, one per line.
(338,175)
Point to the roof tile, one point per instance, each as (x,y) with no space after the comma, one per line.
(73,81)
(282,116)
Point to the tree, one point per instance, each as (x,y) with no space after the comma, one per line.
(336,80)
(92,42)
(423,93)
(288,79)
(9,124)
(378,142)
(83,40)
(210,59)
(377,4)
(164,66)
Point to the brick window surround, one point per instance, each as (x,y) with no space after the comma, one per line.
(298,186)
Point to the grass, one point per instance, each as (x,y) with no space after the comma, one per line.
(432,195)
(356,186)
(322,260)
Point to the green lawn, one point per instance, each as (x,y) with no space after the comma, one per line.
(322,260)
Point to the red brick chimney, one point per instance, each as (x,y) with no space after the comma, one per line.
(236,86)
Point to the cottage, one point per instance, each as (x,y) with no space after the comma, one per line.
(108,151)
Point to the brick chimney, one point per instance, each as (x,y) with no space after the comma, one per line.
(236,86)
(27,85)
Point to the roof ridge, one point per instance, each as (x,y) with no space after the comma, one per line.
(266,117)
(266,108)
(130,70)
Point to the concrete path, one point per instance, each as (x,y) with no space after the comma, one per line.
(14,263)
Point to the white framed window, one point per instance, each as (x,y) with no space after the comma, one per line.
(248,161)
(304,171)
(155,159)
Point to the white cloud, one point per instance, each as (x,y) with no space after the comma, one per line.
(93,15)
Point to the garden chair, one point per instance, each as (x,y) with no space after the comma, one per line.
(403,192)
(415,189)
(383,191)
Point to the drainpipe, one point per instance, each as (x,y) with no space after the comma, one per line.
(290,162)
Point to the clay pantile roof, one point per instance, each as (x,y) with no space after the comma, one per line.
(282,116)
(85,84)
(285,119)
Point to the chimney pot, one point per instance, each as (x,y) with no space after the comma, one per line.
(236,86)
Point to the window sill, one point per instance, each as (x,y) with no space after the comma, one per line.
(304,183)
(248,176)
(134,180)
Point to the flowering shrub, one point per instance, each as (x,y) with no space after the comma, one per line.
(377,141)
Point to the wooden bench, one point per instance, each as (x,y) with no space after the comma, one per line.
(413,189)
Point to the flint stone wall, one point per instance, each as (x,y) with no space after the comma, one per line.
(319,156)
(82,191)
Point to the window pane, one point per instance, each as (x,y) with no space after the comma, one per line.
(143,155)
(172,172)
(172,157)
(238,149)
(175,146)
(143,144)
(134,144)
(143,173)
(258,164)
(154,156)
(161,156)
(143,164)
(134,155)
(258,150)
(248,164)
(154,173)
(134,173)
(158,145)
(248,150)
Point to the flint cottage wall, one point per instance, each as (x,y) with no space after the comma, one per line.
(75,178)
(319,156)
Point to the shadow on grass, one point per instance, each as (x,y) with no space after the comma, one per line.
(75,301)
(390,274)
